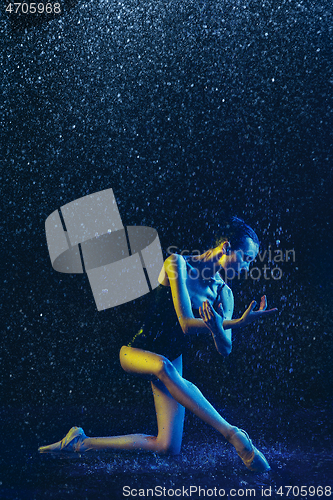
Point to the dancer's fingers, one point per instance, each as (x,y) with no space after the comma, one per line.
(270,311)
(208,309)
(263,303)
(202,312)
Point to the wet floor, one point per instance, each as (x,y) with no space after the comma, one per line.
(207,467)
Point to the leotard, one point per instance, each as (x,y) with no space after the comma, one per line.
(161,332)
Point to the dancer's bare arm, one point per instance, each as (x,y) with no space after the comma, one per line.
(250,315)
(214,321)
(175,267)
(220,323)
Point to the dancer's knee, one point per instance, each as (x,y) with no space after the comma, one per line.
(166,369)
(142,362)
(123,357)
(166,446)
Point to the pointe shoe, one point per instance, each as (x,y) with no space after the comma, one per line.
(256,462)
(71,442)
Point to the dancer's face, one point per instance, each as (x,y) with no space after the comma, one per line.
(237,261)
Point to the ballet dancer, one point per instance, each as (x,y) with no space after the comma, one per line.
(192,298)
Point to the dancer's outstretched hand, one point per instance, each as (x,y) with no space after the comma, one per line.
(251,315)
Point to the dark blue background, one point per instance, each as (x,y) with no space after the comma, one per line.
(190,112)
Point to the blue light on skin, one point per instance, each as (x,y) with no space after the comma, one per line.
(237,261)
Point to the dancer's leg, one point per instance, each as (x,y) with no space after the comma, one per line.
(176,388)
(170,419)
(184,392)
(170,416)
